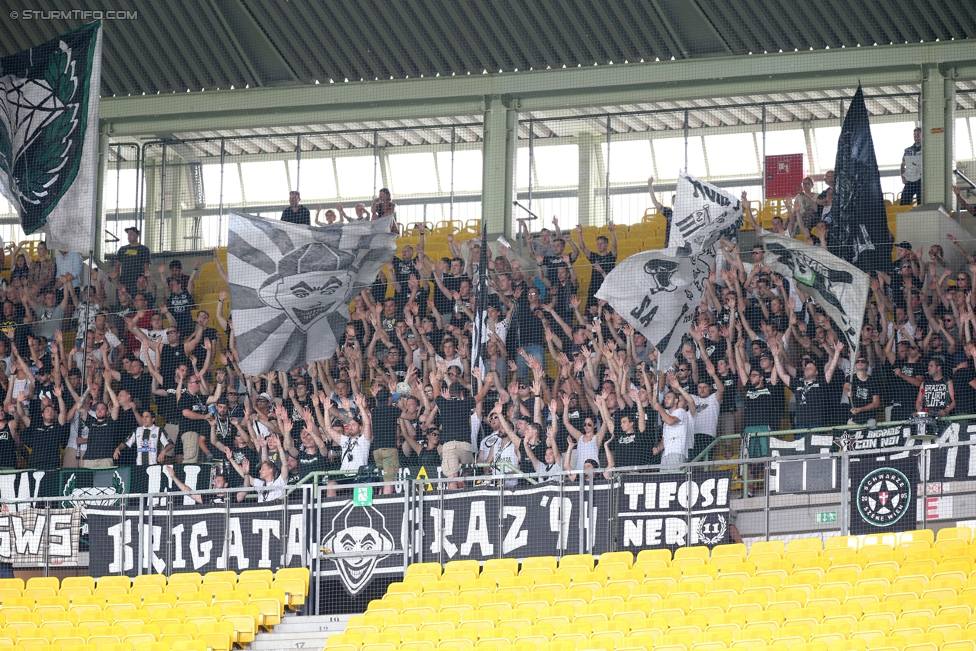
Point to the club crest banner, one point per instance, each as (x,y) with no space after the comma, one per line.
(49,136)
(290,285)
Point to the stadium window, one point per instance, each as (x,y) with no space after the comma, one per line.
(415,173)
(232,184)
(825,147)
(557,166)
(630,160)
(731,154)
(669,157)
(355,176)
(467,170)
(522,168)
(265,182)
(890,140)
(317,178)
(964,142)
(119,184)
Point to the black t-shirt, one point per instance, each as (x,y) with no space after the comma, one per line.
(607,262)
(293,407)
(935,394)
(731,383)
(180,309)
(139,388)
(455,418)
(385,426)
(308,463)
(402,270)
(170,358)
(45,442)
(900,391)
(443,303)
(862,393)
(301,216)
(200,352)
(761,407)
(133,259)
(103,438)
(239,454)
(8,447)
(538,449)
(811,398)
(631,449)
(198,405)
(964,393)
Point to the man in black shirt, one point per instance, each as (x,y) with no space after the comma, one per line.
(103,435)
(905,373)
(603,261)
(385,454)
(45,437)
(864,392)
(296,213)
(131,261)
(455,416)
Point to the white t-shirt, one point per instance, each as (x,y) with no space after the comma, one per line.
(275,490)
(675,436)
(77,427)
(153,336)
(486,446)
(355,452)
(909,328)
(706,415)
(147,446)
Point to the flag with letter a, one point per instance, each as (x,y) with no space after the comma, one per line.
(703,213)
(657,293)
(290,285)
(49,136)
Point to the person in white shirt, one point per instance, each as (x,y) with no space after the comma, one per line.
(707,406)
(678,413)
(269,478)
(152,445)
(354,440)
(551,465)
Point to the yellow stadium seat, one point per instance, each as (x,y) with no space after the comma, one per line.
(23,604)
(768,547)
(245,620)
(86,582)
(42,586)
(463,566)
(540,562)
(142,580)
(947,533)
(123,582)
(190,645)
(106,635)
(130,615)
(96,618)
(420,568)
(54,618)
(119,602)
(142,633)
(181,588)
(573,560)
(627,558)
(294,586)
(193,578)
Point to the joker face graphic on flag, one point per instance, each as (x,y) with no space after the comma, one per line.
(312,281)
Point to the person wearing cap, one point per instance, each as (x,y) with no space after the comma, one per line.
(132,260)
(296,213)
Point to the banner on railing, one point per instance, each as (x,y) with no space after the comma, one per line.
(803,475)
(40,537)
(672,511)
(883,494)
(199,538)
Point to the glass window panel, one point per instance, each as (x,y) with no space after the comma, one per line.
(785,142)
(696,157)
(121,185)
(317,178)
(731,154)
(355,176)
(557,166)
(964,144)
(522,168)
(232,184)
(669,156)
(630,160)
(413,173)
(825,147)
(265,181)
(467,170)
(890,141)
(629,208)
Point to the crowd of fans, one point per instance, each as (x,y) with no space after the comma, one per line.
(566,383)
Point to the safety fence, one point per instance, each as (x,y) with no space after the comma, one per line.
(360,539)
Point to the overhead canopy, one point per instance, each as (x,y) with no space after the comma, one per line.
(181,46)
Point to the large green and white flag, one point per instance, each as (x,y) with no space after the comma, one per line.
(49,136)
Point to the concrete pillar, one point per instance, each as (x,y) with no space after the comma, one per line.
(98,236)
(150,225)
(498,172)
(176,179)
(937,113)
(591,208)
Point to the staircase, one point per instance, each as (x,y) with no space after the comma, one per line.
(300,632)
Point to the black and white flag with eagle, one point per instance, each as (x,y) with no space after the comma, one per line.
(837,286)
(290,285)
(703,213)
(657,293)
(49,136)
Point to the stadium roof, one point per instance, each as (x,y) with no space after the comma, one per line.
(181,46)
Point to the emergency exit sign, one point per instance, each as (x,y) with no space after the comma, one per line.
(824,517)
(362,496)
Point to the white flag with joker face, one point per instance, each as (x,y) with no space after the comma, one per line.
(703,213)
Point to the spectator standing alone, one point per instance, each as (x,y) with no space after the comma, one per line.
(911,171)
(132,260)
(296,213)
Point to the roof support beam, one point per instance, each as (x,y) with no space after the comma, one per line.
(537,90)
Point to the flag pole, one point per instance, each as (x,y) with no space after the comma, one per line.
(481,310)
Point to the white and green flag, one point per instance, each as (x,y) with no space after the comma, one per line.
(49,136)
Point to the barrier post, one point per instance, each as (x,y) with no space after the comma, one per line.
(47,538)
(845,495)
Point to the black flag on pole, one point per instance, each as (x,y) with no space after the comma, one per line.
(859,230)
(480,339)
